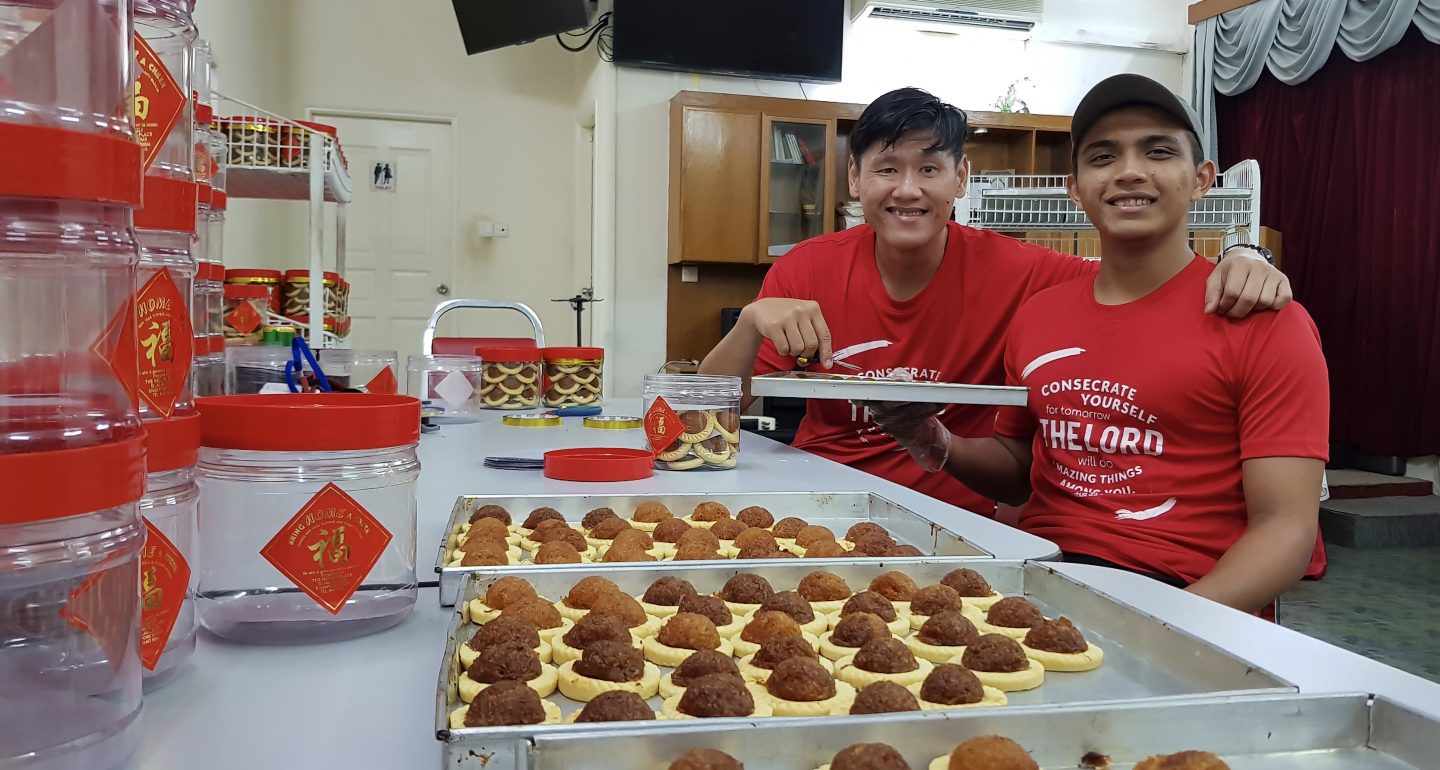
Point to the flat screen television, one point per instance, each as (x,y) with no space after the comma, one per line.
(775,39)
(489,24)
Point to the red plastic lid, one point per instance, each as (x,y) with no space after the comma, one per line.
(45,162)
(217,344)
(204,113)
(508,353)
(250,272)
(309,422)
(246,291)
(206,193)
(585,354)
(200,346)
(172,443)
(321,127)
(169,205)
(211,271)
(68,482)
(599,464)
(218,200)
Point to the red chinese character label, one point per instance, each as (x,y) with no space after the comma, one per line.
(384,382)
(116,347)
(164,581)
(103,606)
(244,318)
(329,547)
(165,343)
(662,426)
(158,102)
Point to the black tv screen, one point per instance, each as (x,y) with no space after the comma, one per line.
(777,39)
(489,24)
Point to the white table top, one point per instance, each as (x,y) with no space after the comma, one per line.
(452,465)
(369,702)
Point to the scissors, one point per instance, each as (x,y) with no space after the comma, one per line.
(802,363)
(295,369)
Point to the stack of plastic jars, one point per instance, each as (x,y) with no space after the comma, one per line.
(165,226)
(71,450)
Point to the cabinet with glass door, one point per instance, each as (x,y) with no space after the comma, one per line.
(797,195)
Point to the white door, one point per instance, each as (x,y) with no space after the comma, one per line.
(399,255)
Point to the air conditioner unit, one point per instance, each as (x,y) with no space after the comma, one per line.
(1021,15)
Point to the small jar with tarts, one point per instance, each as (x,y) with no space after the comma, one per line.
(510,379)
(573,376)
(693,421)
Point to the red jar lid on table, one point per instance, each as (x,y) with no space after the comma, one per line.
(309,422)
(40,486)
(583,354)
(498,353)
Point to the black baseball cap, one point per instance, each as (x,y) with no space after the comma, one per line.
(1124,90)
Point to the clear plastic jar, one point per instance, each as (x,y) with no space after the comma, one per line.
(163,317)
(297,294)
(574,376)
(368,371)
(164,112)
(55,83)
(67,269)
(307,515)
(693,421)
(512,378)
(69,609)
(249,368)
(167,562)
(245,308)
(270,279)
(450,382)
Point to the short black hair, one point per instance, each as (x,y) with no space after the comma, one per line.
(892,116)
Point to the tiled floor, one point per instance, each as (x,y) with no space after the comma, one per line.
(1383,603)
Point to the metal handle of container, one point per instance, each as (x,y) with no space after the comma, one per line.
(428,338)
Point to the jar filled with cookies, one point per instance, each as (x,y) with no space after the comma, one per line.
(573,376)
(511,378)
(692,421)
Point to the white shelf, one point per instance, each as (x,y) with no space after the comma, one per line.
(286,184)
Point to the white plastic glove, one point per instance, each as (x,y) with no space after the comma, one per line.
(917,428)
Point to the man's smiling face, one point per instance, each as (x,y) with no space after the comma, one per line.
(908,190)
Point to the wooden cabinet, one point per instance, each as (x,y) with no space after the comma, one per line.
(796,191)
(714,185)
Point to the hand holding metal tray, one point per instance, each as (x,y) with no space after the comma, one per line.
(846,387)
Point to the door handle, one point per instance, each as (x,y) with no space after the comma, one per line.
(442,290)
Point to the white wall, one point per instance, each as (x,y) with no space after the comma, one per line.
(254,56)
(970,69)
(514,113)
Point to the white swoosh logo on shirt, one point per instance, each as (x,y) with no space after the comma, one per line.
(1148,513)
(1049,358)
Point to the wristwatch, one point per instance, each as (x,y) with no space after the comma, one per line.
(1261,250)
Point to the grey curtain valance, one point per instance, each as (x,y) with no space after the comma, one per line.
(1294,39)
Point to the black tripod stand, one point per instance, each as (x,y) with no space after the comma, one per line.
(577,303)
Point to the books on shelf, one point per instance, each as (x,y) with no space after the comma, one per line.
(786,147)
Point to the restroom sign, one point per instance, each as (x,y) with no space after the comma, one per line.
(383,177)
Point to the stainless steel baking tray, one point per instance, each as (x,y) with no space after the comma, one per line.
(1144,658)
(836,510)
(844,387)
(1271,732)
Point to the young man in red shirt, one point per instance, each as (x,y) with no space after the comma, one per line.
(913,290)
(1157,438)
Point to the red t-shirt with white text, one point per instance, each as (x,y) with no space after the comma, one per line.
(1145,412)
(952,331)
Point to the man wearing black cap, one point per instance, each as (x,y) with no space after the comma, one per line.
(913,290)
(1157,438)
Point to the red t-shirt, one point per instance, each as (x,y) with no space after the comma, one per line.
(1145,412)
(952,331)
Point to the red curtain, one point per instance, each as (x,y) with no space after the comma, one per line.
(1350,175)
